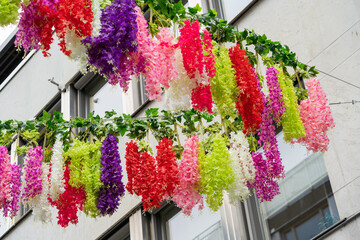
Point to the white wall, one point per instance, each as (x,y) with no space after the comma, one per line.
(29,90)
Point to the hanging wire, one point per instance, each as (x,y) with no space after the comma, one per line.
(328,74)
(338,103)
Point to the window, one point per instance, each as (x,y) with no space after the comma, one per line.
(229,10)
(169,223)
(120,231)
(306,205)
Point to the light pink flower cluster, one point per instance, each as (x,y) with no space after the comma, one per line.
(32,174)
(146,58)
(166,49)
(316,115)
(187,194)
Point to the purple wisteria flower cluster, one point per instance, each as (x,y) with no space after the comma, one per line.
(108,52)
(275,96)
(111,177)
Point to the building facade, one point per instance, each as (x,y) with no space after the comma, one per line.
(319,195)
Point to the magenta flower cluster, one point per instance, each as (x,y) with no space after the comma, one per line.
(111,177)
(29,34)
(265,185)
(275,96)
(33,172)
(268,140)
(13,205)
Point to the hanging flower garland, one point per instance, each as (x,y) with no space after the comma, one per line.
(29,34)
(265,185)
(290,120)
(223,86)
(316,115)
(275,96)
(132,157)
(186,194)
(32,174)
(79,20)
(216,173)
(41,208)
(209,58)
(142,176)
(111,176)
(166,48)
(267,137)
(147,59)
(85,172)
(13,203)
(167,168)
(250,102)
(201,98)
(5,177)
(108,52)
(243,166)
(57,183)
(192,49)
(178,95)
(69,202)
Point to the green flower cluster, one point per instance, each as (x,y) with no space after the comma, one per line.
(216,173)
(86,171)
(223,86)
(293,127)
(9,11)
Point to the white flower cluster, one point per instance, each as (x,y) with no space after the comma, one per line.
(96,24)
(57,185)
(178,95)
(41,208)
(243,166)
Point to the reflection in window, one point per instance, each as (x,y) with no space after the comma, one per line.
(201,225)
(106,99)
(305,206)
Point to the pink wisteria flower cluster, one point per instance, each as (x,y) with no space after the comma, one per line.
(187,194)
(316,115)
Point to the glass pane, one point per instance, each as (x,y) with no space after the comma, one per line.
(310,228)
(290,236)
(107,98)
(202,225)
(306,184)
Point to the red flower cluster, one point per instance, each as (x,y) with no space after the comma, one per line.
(250,102)
(69,202)
(209,57)
(201,98)
(168,171)
(73,15)
(150,179)
(191,48)
(142,176)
